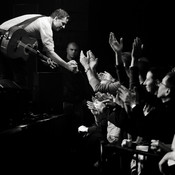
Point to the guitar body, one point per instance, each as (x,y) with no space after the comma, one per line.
(10,43)
(17,44)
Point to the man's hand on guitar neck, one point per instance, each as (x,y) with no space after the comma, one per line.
(50,62)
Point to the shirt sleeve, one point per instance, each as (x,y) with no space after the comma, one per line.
(46,34)
(110,87)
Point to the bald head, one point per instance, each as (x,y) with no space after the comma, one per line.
(72,51)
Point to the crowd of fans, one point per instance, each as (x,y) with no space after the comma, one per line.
(135,109)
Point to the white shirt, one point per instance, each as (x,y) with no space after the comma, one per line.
(41,28)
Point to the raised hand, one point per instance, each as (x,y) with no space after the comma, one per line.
(93,61)
(117,46)
(92,107)
(84,60)
(127,96)
(137,48)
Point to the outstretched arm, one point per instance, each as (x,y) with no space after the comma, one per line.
(117,47)
(89,63)
(71,65)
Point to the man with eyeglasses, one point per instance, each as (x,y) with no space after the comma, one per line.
(166,93)
(158,126)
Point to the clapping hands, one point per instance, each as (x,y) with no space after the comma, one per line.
(117,46)
(88,60)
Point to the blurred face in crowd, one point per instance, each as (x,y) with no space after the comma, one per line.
(105,77)
(163,89)
(150,83)
(72,51)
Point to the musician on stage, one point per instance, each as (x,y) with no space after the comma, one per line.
(36,26)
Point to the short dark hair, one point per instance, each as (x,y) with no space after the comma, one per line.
(60,13)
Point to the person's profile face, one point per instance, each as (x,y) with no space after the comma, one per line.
(59,24)
(163,88)
(149,82)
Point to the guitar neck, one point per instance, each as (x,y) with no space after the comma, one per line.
(41,55)
(32,50)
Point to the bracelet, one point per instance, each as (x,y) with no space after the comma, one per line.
(86,70)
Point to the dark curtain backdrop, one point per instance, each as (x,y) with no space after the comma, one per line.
(152,21)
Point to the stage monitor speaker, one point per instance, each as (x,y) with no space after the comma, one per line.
(47,93)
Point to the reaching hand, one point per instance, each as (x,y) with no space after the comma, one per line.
(84,60)
(137,48)
(92,108)
(88,61)
(154,144)
(73,66)
(105,76)
(90,55)
(127,96)
(115,45)
(93,61)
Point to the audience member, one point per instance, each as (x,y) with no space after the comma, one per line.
(159,96)
(76,92)
(93,135)
(89,63)
(156,117)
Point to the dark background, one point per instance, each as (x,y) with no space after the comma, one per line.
(152,21)
(44,146)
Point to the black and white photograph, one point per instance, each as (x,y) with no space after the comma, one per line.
(87,87)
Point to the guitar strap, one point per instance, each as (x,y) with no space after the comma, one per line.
(26,22)
(23,24)
(6,46)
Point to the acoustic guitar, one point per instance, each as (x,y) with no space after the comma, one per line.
(16,43)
